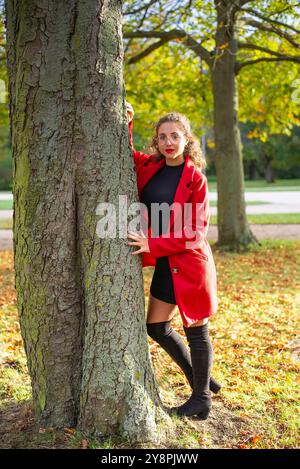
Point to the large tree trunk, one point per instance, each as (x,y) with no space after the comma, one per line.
(232,222)
(252,170)
(80,298)
(269,173)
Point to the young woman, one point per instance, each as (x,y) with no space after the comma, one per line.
(185,274)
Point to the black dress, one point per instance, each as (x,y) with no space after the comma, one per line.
(161,188)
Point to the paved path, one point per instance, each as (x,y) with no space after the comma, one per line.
(6,214)
(260,231)
(276,202)
(265,232)
(6,240)
(6,195)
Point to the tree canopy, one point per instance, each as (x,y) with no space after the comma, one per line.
(173,75)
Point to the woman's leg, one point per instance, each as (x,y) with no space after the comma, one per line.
(201,356)
(159,329)
(159,311)
(200,323)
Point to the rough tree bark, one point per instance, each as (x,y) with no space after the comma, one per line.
(80,298)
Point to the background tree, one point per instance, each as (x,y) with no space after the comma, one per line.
(80,298)
(227,37)
(278,154)
(266,109)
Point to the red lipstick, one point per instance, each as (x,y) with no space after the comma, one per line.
(169,150)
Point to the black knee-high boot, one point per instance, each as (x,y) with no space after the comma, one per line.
(173,344)
(201,354)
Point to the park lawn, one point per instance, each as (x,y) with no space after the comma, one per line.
(262,185)
(6,204)
(267,219)
(250,186)
(260,219)
(255,357)
(214,203)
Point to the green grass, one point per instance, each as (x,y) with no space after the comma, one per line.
(263,219)
(252,333)
(6,204)
(260,300)
(261,185)
(268,219)
(214,203)
(251,186)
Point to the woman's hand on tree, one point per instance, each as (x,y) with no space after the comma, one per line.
(130,112)
(140,240)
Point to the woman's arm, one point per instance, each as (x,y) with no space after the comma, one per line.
(194,230)
(139,157)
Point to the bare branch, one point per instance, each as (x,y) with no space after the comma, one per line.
(277,56)
(137,10)
(240,65)
(164,13)
(147,51)
(169,12)
(246,45)
(198,49)
(271,29)
(269,20)
(191,43)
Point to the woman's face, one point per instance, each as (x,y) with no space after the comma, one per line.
(171,142)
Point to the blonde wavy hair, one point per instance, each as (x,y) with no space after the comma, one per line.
(192,147)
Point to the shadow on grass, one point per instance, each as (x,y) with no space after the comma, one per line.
(222,430)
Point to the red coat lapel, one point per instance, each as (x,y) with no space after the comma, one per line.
(183,192)
(146,172)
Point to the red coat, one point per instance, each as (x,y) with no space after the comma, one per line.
(192,264)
